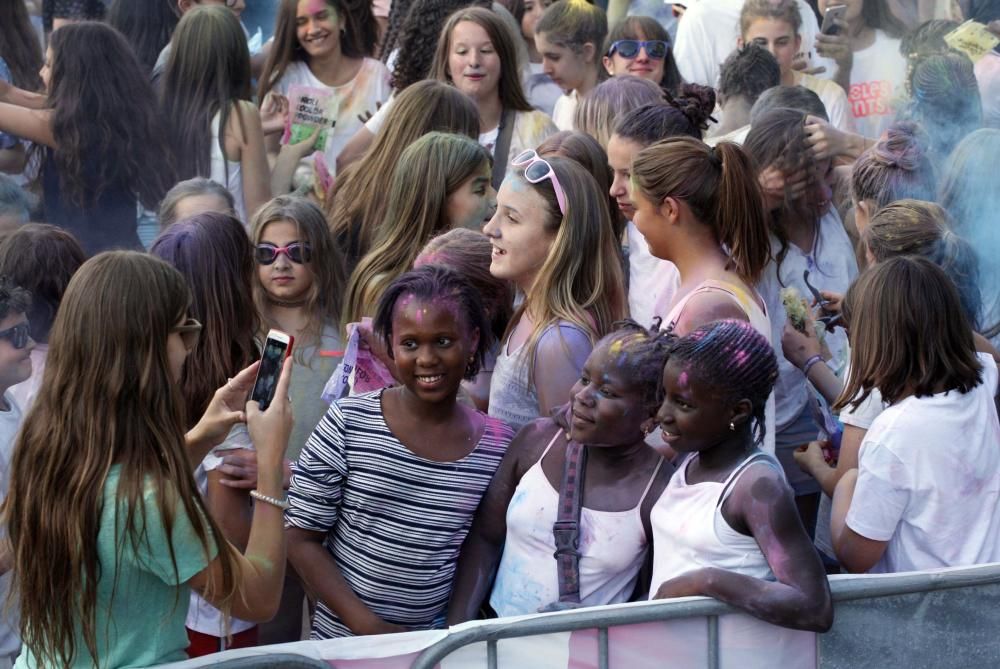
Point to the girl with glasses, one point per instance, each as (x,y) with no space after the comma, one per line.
(553,239)
(213,127)
(442,182)
(639,46)
(569,37)
(213,254)
(131,525)
(476,54)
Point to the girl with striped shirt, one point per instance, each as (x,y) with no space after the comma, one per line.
(386,486)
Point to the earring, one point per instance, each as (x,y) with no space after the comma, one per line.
(732,426)
(646,429)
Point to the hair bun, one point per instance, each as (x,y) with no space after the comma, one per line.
(904,146)
(696,102)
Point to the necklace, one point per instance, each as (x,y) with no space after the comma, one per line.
(288,305)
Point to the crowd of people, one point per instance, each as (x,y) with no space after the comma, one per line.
(590,304)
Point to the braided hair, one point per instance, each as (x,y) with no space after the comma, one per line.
(431,282)
(640,354)
(733,358)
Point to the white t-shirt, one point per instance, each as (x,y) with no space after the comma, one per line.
(358,96)
(832,266)
(864,416)
(10,423)
(652,282)
(564,115)
(738,136)
(878,78)
(929,480)
(708,32)
(833,98)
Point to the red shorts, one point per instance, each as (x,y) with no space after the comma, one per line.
(206,644)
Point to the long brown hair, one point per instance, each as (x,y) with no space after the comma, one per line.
(581,281)
(326,298)
(720,187)
(109,355)
(212,252)
(509,89)
(19,46)
(909,333)
(357,38)
(208,73)
(431,169)
(358,202)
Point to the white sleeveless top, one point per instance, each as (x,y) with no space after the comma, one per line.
(758,318)
(612,549)
(227,173)
(690,533)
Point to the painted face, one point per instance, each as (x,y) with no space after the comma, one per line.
(193,205)
(620,154)
(15,363)
(606,407)
(566,67)
(473,63)
(854,8)
(533,10)
(649,220)
(317,28)
(776,36)
(284,280)
(46,72)
(518,232)
(177,352)
(431,345)
(472,205)
(693,417)
(640,66)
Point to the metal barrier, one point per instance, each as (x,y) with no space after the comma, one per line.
(853,597)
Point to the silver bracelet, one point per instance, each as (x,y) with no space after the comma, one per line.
(273,501)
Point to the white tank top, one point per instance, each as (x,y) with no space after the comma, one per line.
(227,173)
(689,531)
(758,319)
(612,546)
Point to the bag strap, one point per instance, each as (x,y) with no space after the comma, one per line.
(566,529)
(501,150)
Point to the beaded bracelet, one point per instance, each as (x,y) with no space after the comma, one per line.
(809,364)
(273,501)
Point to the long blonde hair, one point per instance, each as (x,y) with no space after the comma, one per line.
(581,281)
(430,170)
(107,399)
(358,202)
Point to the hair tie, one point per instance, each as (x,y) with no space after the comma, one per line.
(713,151)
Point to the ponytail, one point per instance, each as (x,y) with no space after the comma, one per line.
(739,214)
(719,186)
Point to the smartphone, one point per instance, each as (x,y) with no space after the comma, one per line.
(833,12)
(277,347)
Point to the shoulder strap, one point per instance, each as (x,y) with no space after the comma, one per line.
(730,484)
(501,149)
(566,529)
(649,484)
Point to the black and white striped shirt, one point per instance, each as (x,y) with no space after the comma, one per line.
(394,521)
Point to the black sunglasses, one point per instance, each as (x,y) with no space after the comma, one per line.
(297,252)
(18,335)
(629,48)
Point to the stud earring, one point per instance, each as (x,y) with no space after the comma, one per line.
(732,426)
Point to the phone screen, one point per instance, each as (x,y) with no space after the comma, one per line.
(268,372)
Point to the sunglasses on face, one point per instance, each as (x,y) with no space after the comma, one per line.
(190,332)
(629,48)
(297,252)
(537,170)
(18,335)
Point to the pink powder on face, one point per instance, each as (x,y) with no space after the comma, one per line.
(316,6)
(682,380)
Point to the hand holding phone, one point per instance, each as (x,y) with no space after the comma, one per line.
(277,347)
(830,18)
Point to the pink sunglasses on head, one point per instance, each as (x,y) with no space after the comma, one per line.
(537,170)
